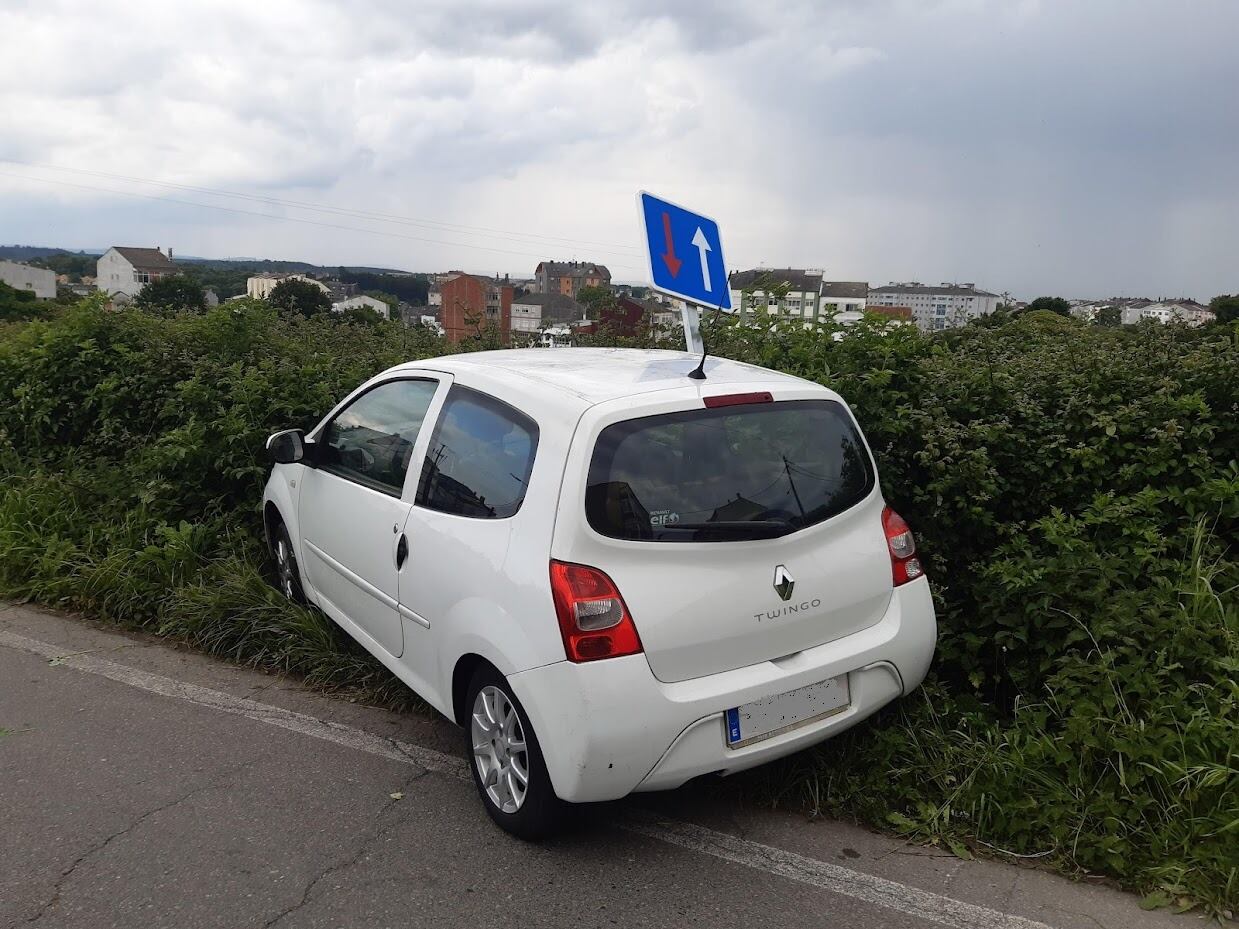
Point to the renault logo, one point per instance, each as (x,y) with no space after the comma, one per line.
(783,583)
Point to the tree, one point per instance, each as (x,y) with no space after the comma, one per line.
(1109,316)
(1053,304)
(1225,307)
(392,301)
(366,316)
(764,282)
(18,304)
(173,294)
(595,300)
(297,296)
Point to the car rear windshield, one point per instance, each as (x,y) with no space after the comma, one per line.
(727,474)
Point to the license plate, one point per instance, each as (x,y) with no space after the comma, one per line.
(771,716)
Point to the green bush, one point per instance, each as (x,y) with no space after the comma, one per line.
(1074,490)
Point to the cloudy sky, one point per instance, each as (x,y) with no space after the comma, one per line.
(1078,147)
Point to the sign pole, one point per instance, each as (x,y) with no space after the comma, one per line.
(691,317)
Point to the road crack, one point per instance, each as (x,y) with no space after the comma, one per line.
(364,846)
(68,872)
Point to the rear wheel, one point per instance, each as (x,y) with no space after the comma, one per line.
(287,571)
(506,760)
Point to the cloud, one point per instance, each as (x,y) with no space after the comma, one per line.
(1033,146)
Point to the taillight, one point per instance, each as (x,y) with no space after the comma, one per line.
(593,618)
(905,566)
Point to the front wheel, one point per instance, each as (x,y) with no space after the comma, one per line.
(507,763)
(286,566)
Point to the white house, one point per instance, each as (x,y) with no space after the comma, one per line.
(1177,311)
(353,303)
(844,301)
(810,297)
(943,306)
(39,281)
(260,286)
(122,272)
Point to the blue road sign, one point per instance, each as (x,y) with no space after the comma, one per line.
(685,252)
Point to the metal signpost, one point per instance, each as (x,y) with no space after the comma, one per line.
(685,252)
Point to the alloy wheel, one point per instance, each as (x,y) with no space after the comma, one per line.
(284,564)
(499,749)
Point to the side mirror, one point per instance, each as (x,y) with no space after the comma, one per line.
(286,447)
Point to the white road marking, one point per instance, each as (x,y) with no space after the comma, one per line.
(867,888)
(358,739)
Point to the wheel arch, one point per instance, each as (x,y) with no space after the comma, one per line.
(271,518)
(466,667)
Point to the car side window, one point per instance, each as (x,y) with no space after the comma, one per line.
(371,440)
(480,457)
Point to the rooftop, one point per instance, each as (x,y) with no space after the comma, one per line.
(599,374)
(570,268)
(916,287)
(146,259)
(796,278)
(854,290)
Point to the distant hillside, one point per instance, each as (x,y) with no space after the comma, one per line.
(227,276)
(269,264)
(31,252)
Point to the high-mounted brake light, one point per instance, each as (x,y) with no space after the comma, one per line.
(760,396)
(905,566)
(593,619)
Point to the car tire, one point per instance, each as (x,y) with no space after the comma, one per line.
(495,725)
(287,571)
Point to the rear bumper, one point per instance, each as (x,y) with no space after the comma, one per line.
(610,728)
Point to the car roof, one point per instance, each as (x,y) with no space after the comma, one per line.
(596,375)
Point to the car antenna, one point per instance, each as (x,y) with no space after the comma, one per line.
(699,373)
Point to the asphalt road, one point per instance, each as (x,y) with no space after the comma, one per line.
(145,786)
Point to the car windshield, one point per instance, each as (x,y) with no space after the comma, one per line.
(726,474)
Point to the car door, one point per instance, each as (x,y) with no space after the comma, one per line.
(474,475)
(353,507)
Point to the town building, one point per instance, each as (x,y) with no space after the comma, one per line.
(39,281)
(568,277)
(937,307)
(472,304)
(809,297)
(122,272)
(260,285)
(1183,311)
(1132,310)
(362,301)
(533,312)
(844,301)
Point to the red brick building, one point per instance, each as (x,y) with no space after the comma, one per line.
(471,305)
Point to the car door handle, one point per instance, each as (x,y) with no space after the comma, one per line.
(402,552)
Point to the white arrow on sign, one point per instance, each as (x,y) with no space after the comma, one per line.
(703,246)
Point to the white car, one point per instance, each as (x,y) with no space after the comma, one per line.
(614,577)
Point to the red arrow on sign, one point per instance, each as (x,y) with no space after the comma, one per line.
(668,257)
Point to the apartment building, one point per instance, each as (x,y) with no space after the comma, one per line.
(808,297)
(937,307)
(472,304)
(568,277)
